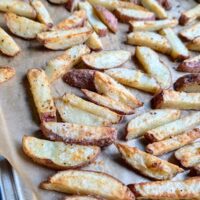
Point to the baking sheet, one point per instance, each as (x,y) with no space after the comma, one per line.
(18,115)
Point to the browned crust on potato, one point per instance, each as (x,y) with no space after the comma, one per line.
(165,4)
(192,66)
(88,196)
(80,78)
(9,72)
(156,101)
(183,19)
(196,169)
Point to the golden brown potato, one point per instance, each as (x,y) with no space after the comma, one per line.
(41,92)
(6,73)
(147,164)
(79,134)
(84,182)
(194,45)
(58,155)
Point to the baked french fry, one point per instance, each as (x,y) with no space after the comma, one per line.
(75,20)
(197,169)
(178,49)
(155,7)
(190,65)
(188,83)
(162,190)
(21,8)
(42,13)
(108,102)
(194,45)
(125,15)
(7,45)
(84,182)
(58,1)
(190,15)
(82,198)
(79,134)
(106,59)
(154,66)
(6,73)
(149,39)
(72,5)
(171,144)
(147,164)
(41,92)
(63,39)
(58,66)
(107,86)
(173,128)
(154,118)
(135,79)
(24,27)
(152,25)
(189,155)
(176,100)
(98,26)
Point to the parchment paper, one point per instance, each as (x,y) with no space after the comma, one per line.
(18,115)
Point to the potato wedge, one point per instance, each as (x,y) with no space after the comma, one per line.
(147,164)
(75,20)
(125,15)
(58,66)
(82,198)
(173,128)
(108,102)
(79,134)
(7,45)
(190,15)
(135,79)
(154,66)
(189,155)
(154,118)
(84,182)
(42,13)
(58,1)
(92,108)
(107,86)
(21,8)
(41,92)
(6,73)
(58,155)
(176,142)
(152,25)
(191,33)
(80,78)
(98,26)
(190,65)
(188,83)
(178,49)
(72,5)
(176,100)
(163,190)
(194,45)
(107,18)
(63,39)
(149,39)
(24,27)
(106,59)
(197,169)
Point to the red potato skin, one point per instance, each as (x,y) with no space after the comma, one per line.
(192,67)
(71,5)
(183,19)
(48,117)
(156,101)
(165,4)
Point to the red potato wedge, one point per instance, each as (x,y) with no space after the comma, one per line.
(190,15)
(24,27)
(72,5)
(80,78)
(125,15)
(154,118)
(163,190)
(194,45)
(107,18)
(63,39)
(98,26)
(58,66)
(79,134)
(41,92)
(82,198)
(147,164)
(21,8)
(58,155)
(107,86)
(84,182)
(188,83)
(191,65)
(6,73)
(7,45)
(108,102)
(171,144)
(106,59)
